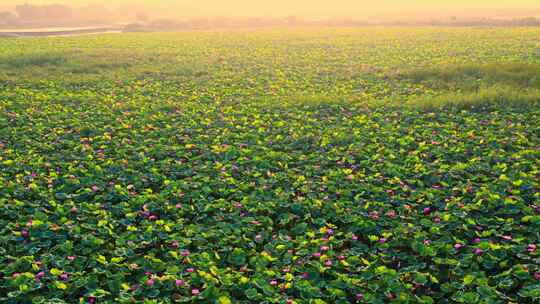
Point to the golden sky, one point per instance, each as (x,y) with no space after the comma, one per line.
(317,8)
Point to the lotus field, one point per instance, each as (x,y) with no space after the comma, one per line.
(338,165)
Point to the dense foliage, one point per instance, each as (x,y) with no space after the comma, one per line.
(271,167)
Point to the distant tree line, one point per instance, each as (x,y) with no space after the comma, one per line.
(209,23)
(221,22)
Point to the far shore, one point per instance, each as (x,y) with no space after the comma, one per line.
(61,31)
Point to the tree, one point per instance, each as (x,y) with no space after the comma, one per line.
(142,17)
(7,18)
(292,20)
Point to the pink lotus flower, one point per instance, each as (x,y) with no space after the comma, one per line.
(258,238)
(328,263)
(174,244)
(477,240)
(178,206)
(15,275)
(341,257)
(317,254)
(507,237)
(305,275)
(531,248)
(95,188)
(191,269)
(91,300)
(458,246)
(359,296)
(185,253)
(195,291)
(324,248)
(74,210)
(150,282)
(273,282)
(427,210)
(179,283)
(71,258)
(24,233)
(286,269)
(382,240)
(537,275)
(354,237)
(478,251)
(64,277)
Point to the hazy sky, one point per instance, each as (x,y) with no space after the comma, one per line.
(318,8)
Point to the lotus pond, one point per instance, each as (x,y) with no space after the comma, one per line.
(367,165)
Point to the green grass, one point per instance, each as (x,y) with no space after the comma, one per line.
(472,76)
(484,99)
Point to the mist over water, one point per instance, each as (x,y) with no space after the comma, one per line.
(368,10)
(176,15)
